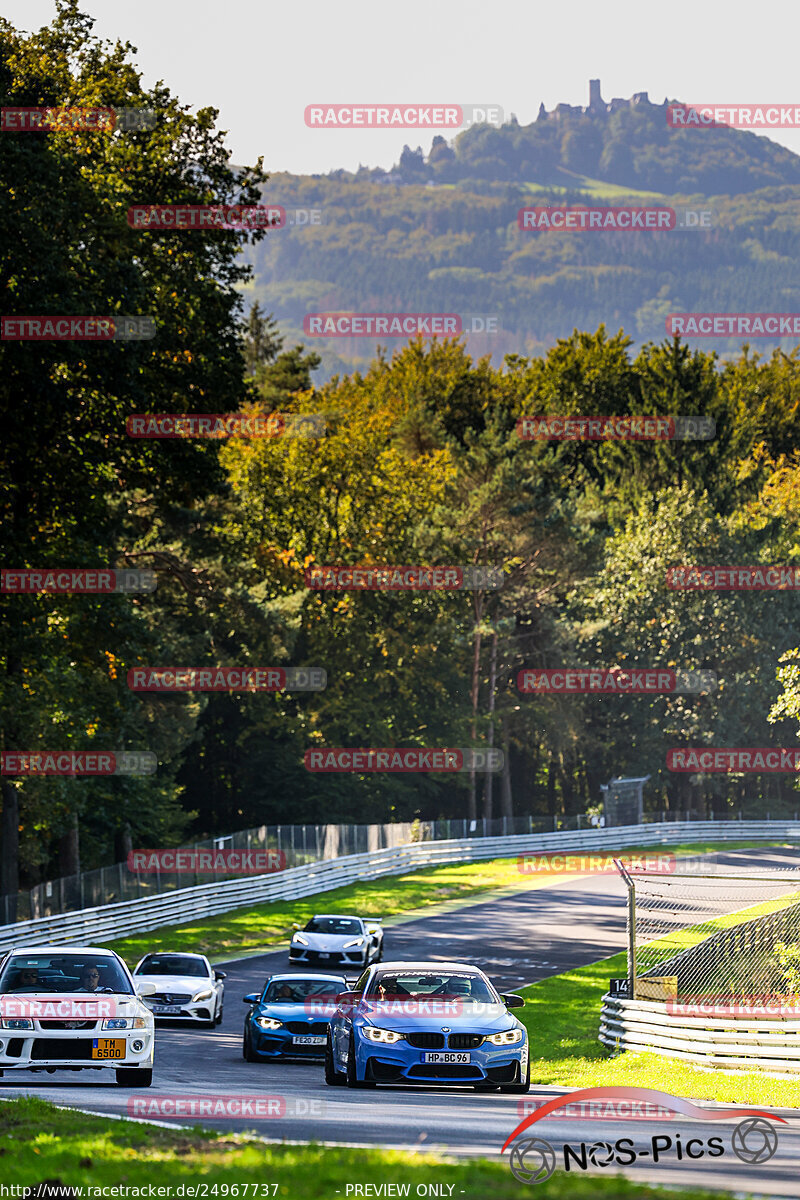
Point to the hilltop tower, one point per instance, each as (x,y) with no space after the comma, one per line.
(595,99)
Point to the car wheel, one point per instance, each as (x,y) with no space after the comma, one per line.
(351,1077)
(247,1049)
(525,1086)
(134,1076)
(333,1078)
(218,1018)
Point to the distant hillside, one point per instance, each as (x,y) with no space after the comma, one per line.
(440,234)
(624,142)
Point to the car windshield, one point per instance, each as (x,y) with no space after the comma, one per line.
(172,964)
(298,990)
(447,985)
(336,925)
(63,973)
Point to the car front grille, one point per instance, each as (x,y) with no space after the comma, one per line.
(426,1041)
(321,956)
(47,1026)
(444,1071)
(314,1027)
(464,1041)
(62,1048)
(169,998)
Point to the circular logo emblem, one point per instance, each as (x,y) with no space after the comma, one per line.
(445,1029)
(754,1140)
(532,1160)
(601,1154)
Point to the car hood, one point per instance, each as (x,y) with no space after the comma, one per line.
(328,941)
(175,983)
(435,1015)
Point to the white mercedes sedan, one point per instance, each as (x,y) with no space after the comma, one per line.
(74,1008)
(187,988)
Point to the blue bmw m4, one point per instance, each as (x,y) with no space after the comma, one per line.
(290,1017)
(427,1023)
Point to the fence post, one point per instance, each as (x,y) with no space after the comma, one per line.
(631,928)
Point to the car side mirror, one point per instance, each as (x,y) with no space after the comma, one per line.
(146,988)
(349,997)
(296,926)
(251,998)
(218,975)
(513,1001)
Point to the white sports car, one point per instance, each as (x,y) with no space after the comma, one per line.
(331,940)
(187,988)
(74,1008)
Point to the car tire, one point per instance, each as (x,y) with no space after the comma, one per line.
(518,1088)
(218,1018)
(333,1078)
(351,1076)
(134,1076)
(247,1049)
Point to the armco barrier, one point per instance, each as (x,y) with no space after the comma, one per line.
(725,1043)
(107,922)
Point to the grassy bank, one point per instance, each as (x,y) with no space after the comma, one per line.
(562,1016)
(40,1142)
(246,929)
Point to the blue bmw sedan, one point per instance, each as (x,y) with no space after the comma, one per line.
(427,1023)
(290,1018)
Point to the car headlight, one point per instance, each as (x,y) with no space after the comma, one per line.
(206,994)
(269,1023)
(298,937)
(124,1023)
(509,1037)
(356,942)
(16,1023)
(382,1035)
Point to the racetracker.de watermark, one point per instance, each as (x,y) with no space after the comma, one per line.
(601,1110)
(595,864)
(729,760)
(403,579)
(57,1008)
(638,428)
(364,760)
(70,580)
(402,116)
(760,1007)
(734,579)
(78,762)
(73,119)
(194,862)
(223,425)
(614,681)
(743,324)
(206,216)
(733,116)
(603,218)
(227,679)
(398,324)
(219,1106)
(49,328)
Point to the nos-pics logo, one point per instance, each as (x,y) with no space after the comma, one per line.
(534,1159)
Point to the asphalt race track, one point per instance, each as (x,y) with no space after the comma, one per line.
(516,939)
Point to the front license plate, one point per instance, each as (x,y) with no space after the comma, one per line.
(165,1010)
(308,1040)
(323,954)
(108,1047)
(446,1056)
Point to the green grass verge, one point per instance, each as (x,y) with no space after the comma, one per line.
(562,1016)
(244,930)
(41,1142)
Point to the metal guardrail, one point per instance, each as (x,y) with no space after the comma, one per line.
(725,1043)
(110,921)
